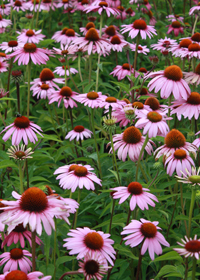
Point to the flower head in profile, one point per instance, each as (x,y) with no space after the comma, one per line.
(190,247)
(139,26)
(192,178)
(176,27)
(193,77)
(19,153)
(93,266)
(121,71)
(3,65)
(85,240)
(139,196)
(101,6)
(194,9)
(169,81)
(78,133)
(147,231)
(16,257)
(20,275)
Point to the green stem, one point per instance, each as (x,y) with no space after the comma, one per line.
(33,251)
(8,85)
(98,62)
(96,145)
(169,104)
(21,178)
(70,273)
(37,14)
(192,202)
(29,81)
(33,15)
(193,29)
(182,206)
(76,214)
(139,266)
(55,247)
(114,156)
(140,156)
(66,75)
(79,69)
(194,265)
(113,207)
(90,68)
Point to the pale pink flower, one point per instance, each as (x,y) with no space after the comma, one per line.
(122,13)
(117,43)
(147,231)
(65,4)
(22,128)
(85,29)
(193,77)
(65,50)
(47,77)
(93,266)
(169,81)
(37,4)
(85,240)
(3,65)
(191,178)
(153,123)
(121,71)
(30,52)
(141,49)
(18,234)
(16,257)
(193,50)
(5,9)
(112,102)
(19,275)
(91,99)
(191,247)
(19,5)
(178,50)
(77,175)
(19,153)
(176,27)
(178,162)
(164,44)
(193,9)
(65,36)
(101,6)
(139,196)
(4,23)
(196,142)
(174,140)
(130,143)
(65,94)
(33,207)
(139,27)
(11,46)
(49,5)
(30,36)
(174,18)
(43,90)
(60,70)
(78,133)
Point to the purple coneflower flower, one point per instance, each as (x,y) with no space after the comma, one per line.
(101,6)
(141,49)
(35,5)
(3,65)
(11,46)
(191,247)
(5,9)
(49,5)
(30,36)
(4,22)
(79,132)
(117,43)
(19,153)
(139,27)
(195,8)
(60,70)
(164,44)
(193,77)
(19,275)
(192,178)
(193,50)
(43,90)
(176,27)
(47,77)
(91,99)
(19,5)
(65,94)
(121,71)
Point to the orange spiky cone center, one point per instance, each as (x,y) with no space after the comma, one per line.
(140,24)
(22,122)
(197,69)
(194,98)
(193,246)
(30,33)
(132,135)
(92,35)
(70,33)
(194,47)
(12,43)
(138,105)
(103,4)
(196,37)
(30,47)
(90,25)
(91,267)
(174,139)
(66,92)
(94,241)
(46,75)
(44,86)
(180,154)
(111,99)
(115,40)
(176,24)
(18,3)
(92,95)
(153,103)
(149,230)
(80,171)
(126,66)
(154,117)
(185,43)
(16,254)
(79,128)
(16,275)
(33,200)
(110,30)
(135,188)
(173,72)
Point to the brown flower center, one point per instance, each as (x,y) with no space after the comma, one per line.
(73,167)
(92,35)
(1,205)
(154,117)
(46,75)
(70,33)
(65,66)
(180,154)
(35,1)
(1,17)
(22,122)
(111,99)
(94,241)
(196,37)
(129,11)
(13,44)
(145,1)
(185,43)
(197,69)
(173,73)
(193,246)
(90,25)
(84,2)
(2,54)
(16,275)
(126,66)
(176,24)
(3,6)
(144,91)
(64,30)
(140,48)
(110,30)
(135,188)
(103,4)
(140,24)
(33,200)
(19,228)
(174,139)
(79,128)
(80,171)
(30,33)
(126,100)
(64,52)
(166,44)
(30,47)
(132,135)
(121,8)
(16,73)
(16,254)
(91,267)
(194,98)
(47,1)
(137,104)
(115,40)
(20,154)
(65,1)
(92,95)
(142,69)
(153,103)
(18,3)
(44,86)
(194,47)
(66,92)
(149,230)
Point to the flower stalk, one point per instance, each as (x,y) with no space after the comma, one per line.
(140,156)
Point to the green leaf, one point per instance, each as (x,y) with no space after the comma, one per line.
(50,137)
(38,178)
(169,256)
(166,270)
(7,163)
(125,251)
(64,259)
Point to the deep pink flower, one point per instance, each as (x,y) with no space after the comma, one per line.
(130,143)
(19,275)
(191,247)
(179,161)
(169,81)
(77,175)
(22,128)
(139,196)
(16,257)
(30,36)
(101,6)
(147,231)
(174,18)
(85,240)
(30,52)
(65,94)
(78,133)
(139,27)
(33,207)
(176,27)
